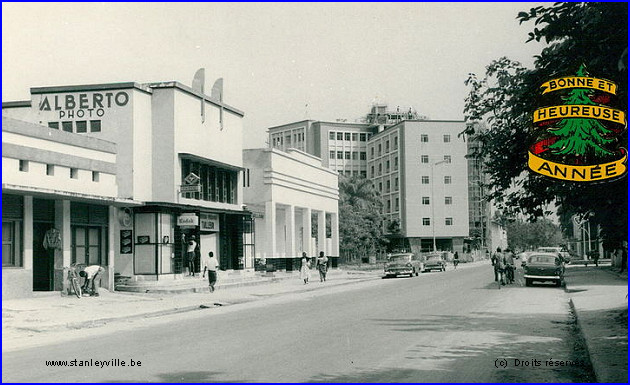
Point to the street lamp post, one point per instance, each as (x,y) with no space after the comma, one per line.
(432,181)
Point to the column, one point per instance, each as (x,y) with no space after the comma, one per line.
(321,232)
(270,229)
(112,229)
(28,234)
(306,232)
(334,223)
(62,222)
(289,220)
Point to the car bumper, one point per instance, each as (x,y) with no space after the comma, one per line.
(543,277)
(391,273)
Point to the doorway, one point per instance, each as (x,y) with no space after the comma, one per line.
(43,260)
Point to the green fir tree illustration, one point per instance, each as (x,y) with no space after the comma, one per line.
(580,136)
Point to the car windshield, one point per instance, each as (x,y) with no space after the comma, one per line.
(544,259)
(400,258)
(434,258)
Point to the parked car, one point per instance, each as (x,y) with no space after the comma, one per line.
(402,264)
(544,267)
(564,254)
(434,262)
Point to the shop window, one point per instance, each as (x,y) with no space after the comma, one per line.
(23,165)
(66,126)
(54,125)
(95,126)
(11,241)
(81,126)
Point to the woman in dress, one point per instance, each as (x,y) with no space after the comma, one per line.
(305,269)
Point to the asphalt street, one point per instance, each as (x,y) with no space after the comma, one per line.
(453,326)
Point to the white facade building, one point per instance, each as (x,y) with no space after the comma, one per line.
(287,190)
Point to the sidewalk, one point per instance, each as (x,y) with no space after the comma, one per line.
(600,303)
(26,321)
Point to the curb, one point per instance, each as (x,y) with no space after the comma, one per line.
(185,309)
(595,364)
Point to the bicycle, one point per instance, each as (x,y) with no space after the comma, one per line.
(73,278)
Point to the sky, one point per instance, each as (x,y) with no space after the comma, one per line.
(281,62)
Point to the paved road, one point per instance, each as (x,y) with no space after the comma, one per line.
(440,327)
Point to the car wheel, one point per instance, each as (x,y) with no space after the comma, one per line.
(528,282)
(558,283)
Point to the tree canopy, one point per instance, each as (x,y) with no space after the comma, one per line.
(590,34)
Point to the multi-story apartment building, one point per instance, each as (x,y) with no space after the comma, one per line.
(398,155)
(342,146)
(420,170)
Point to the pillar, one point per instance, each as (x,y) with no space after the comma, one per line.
(306,232)
(28,233)
(63,257)
(334,223)
(270,229)
(289,220)
(112,228)
(321,232)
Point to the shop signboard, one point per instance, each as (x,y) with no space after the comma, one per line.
(209,222)
(188,220)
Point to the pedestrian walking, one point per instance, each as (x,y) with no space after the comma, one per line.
(191,246)
(305,269)
(210,264)
(497,261)
(455,260)
(322,266)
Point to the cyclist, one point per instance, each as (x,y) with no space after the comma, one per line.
(90,273)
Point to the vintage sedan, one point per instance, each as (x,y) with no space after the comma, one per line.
(434,262)
(544,267)
(402,264)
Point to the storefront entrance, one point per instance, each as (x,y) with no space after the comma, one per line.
(43,260)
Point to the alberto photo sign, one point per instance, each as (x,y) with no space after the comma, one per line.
(577,141)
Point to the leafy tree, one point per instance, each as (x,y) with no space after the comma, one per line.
(594,34)
(531,235)
(360,231)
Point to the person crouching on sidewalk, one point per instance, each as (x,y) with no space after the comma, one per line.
(211,264)
(91,273)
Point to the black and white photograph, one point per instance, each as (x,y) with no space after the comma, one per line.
(314,192)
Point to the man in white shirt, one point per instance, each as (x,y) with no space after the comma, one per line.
(211,264)
(90,273)
(191,246)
